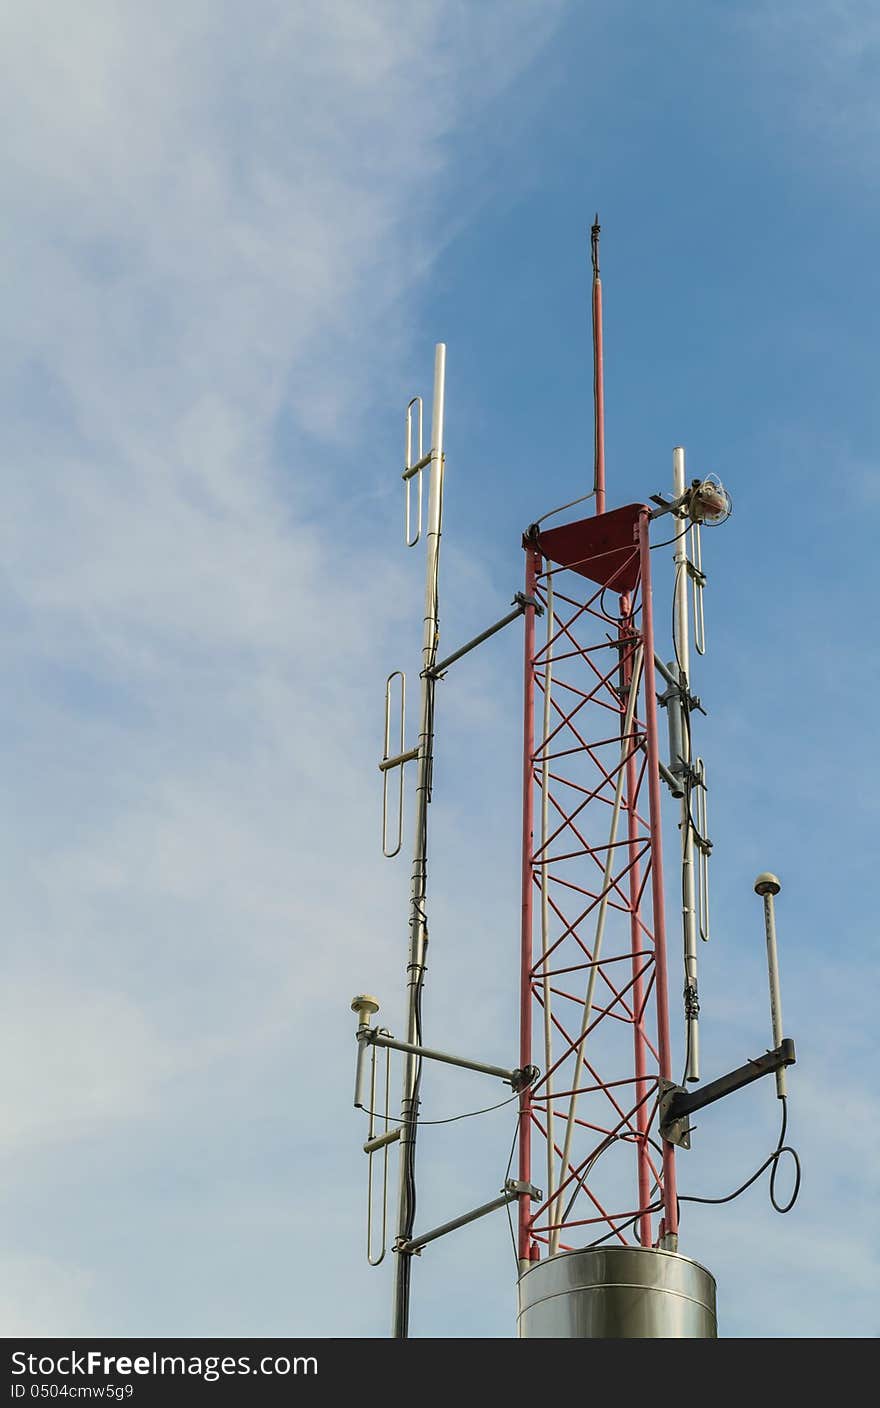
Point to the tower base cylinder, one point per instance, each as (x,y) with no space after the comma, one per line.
(617,1293)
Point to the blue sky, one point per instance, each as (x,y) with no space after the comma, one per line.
(232,235)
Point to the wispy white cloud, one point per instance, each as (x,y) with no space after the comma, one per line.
(216,220)
(219,220)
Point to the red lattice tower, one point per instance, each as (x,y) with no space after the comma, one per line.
(594,1012)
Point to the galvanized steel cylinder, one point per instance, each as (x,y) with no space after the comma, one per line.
(617,1293)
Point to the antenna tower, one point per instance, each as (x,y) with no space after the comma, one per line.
(601,1116)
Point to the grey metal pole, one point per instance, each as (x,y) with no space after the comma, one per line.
(768,886)
(688,897)
(418,929)
(428,1053)
(508,1196)
(478,640)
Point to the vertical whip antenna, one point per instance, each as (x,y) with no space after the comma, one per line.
(681,643)
(768,886)
(598,375)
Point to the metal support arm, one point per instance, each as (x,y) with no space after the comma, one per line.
(512,1191)
(676,1103)
(520,601)
(516,1078)
(672,782)
(665,505)
(381,1140)
(386,764)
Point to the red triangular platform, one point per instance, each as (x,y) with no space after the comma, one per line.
(603,549)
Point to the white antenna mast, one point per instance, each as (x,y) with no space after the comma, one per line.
(407,1243)
(681,642)
(418,919)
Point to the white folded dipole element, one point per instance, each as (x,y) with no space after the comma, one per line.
(397,841)
(626,744)
(413,466)
(702,811)
(372,1257)
(697,579)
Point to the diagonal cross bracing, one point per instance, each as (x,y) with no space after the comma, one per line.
(593,806)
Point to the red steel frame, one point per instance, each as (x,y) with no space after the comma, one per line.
(619,1174)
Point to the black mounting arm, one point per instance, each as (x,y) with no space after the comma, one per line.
(676,1103)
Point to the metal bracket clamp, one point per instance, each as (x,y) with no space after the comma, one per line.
(696,574)
(676,1103)
(522,600)
(524,1077)
(674,1129)
(669,505)
(692,701)
(677,691)
(517,1188)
